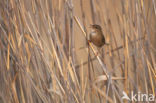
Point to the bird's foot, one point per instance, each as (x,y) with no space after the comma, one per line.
(96,54)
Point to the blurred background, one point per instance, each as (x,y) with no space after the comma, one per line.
(45,57)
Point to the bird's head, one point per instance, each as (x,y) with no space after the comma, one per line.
(95,26)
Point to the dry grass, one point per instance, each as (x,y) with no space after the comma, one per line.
(41,60)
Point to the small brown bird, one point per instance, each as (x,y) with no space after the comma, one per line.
(96,36)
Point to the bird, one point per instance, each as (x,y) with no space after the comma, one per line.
(96,36)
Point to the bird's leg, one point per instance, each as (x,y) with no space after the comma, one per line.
(100,50)
(96,54)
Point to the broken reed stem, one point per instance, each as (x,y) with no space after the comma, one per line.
(98,58)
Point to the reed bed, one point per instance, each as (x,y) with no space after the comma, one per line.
(45,57)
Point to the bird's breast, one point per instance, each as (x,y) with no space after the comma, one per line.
(97,38)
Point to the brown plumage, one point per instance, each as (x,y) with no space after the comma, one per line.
(96,36)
